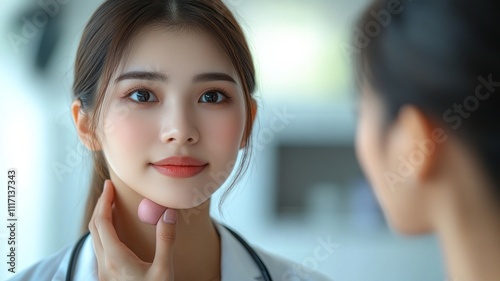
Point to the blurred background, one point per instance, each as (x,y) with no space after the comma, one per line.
(304,186)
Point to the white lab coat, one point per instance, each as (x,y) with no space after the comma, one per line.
(236,264)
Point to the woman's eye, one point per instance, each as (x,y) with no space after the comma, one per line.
(213,97)
(143,96)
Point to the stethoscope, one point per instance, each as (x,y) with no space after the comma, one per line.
(250,250)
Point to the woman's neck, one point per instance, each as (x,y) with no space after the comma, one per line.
(472,250)
(197,244)
(468,228)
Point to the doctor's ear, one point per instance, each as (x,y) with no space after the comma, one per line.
(253,115)
(82,123)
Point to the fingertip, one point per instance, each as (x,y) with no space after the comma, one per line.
(108,191)
(170,216)
(107,185)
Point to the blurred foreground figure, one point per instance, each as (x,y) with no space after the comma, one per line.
(429,133)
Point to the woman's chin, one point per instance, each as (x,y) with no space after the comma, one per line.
(150,212)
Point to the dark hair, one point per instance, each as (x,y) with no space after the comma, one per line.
(438,56)
(104,43)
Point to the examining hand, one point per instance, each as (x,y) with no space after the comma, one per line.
(115,260)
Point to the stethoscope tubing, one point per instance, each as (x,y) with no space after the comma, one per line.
(262,267)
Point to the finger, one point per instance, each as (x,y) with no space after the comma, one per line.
(96,240)
(107,197)
(94,212)
(104,220)
(110,251)
(97,245)
(98,204)
(165,238)
(150,212)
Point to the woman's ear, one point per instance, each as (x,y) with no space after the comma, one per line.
(253,114)
(418,143)
(253,109)
(82,123)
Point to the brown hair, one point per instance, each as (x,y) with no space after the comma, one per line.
(104,42)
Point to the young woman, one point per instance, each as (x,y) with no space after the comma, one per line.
(163,99)
(429,132)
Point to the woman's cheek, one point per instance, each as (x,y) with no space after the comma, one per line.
(362,145)
(127,131)
(366,150)
(225,132)
(231,134)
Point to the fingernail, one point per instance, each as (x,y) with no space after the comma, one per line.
(170,216)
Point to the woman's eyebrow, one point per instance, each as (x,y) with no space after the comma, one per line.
(213,76)
(161,77)
(142,75)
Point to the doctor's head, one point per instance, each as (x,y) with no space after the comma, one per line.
(428,132)
(162,96)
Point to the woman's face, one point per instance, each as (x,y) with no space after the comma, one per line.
(381,152)
(174,118)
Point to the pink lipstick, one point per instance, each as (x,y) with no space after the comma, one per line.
(179,166)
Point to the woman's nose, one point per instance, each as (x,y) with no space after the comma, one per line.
(179,129)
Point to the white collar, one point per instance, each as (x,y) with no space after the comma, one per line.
(236,262)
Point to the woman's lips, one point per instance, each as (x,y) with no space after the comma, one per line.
(179,166)
(179,171)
